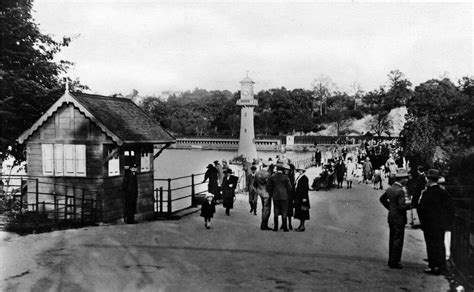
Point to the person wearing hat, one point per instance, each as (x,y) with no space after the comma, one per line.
(229,184)
(130,192)
(279,186)
(436,212)
(260,183)
(208,208)
(397,202)
(252,190)
(301,198)
(213,175)
(220,172)
(368,169)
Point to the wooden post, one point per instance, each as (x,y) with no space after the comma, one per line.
(161,199)
(55,212)
(193,192)
(92,211)
(37,194)
(169,196)
(74,202)
(65,207)
(44,207)
(82,208)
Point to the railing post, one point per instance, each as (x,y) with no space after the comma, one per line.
(161,199)
(169,196)
(21,205)
(193,192)
(55,212)
(37,194)
(92,211)
(44,207)
(65,207)
(82,208)
(74,203)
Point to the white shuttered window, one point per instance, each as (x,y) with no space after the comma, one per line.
(64,159)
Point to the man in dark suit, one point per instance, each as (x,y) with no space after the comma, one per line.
(130,191)
(397,202)
(436,212)
(279,186)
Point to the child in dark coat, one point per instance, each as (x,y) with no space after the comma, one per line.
(208,209)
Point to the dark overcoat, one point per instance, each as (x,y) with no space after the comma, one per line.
(394,201)
(228,190)
(301,193)
(130,191)
(279,186)
(435,209)
(339,170)
(208,209)
(213,175)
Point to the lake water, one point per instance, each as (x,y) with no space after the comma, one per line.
(174,163)
(181,162)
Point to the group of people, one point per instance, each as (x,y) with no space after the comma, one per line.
(435,210)
(282,185)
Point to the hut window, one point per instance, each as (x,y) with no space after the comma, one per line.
(114,164)
(145,162)
(64,159)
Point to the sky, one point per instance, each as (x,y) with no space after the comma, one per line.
(155,46)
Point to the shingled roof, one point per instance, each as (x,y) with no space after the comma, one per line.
(119,118)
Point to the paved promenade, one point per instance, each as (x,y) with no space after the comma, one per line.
(344,248)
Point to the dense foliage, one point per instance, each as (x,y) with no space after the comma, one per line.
(29,76)
(439,126)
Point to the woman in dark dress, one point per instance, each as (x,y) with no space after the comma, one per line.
(229,183)
(301,199)
(340,170)
(213,175)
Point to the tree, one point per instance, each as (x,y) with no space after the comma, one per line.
(434,114)
(29,77)
(399,89)
(339,111)
(375,103)
(323,88)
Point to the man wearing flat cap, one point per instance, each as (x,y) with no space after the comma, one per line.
(397,202)
(436,212)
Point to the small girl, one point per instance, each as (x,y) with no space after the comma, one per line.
(358,173)
(208,209)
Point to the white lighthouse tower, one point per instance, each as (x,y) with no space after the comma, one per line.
(247,101)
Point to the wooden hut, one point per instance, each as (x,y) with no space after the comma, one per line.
(85,141)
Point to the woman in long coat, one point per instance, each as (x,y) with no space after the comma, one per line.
(339,170)
(301,199)
(213,175)
(229,183)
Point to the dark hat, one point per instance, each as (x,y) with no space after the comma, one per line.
(433,174)
(210,166)
(216,161)
(253,167)
(228,170)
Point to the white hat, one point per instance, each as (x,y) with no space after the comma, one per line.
(209,195)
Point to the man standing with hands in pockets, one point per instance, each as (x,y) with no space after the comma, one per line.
(397,202)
